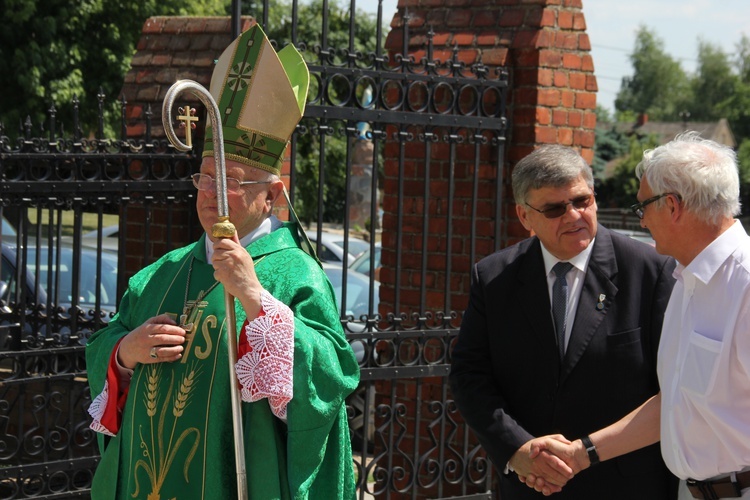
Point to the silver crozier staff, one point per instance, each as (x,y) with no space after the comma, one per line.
(222,229)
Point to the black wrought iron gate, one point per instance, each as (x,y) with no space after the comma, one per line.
(366,107)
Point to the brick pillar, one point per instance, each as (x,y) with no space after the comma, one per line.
(545,49)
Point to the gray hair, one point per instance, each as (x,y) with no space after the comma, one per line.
(549,166)
(702,172)
(265,175)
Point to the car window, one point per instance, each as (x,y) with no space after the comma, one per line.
(8,230)
(326,255)
(7,275)
(362,264)
(356,247)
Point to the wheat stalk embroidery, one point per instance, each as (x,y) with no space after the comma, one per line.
(157,460)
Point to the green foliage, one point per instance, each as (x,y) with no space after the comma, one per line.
(602,114)
(621,188)
(736,109)
(310,27)
(334,186)
(742,60)
(720,88)
(743,158)
(53,51)
(609,144)
(659,86)
(712,84)
(736,105)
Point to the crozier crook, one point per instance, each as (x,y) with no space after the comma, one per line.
(222,229)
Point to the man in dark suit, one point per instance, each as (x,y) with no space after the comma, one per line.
(544,350)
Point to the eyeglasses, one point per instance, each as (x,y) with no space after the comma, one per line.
(639,208)
(559,209)
(204,182)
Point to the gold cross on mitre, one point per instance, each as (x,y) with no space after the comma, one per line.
(187,117)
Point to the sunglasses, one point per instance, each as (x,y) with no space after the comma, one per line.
(559,209)
(638,208)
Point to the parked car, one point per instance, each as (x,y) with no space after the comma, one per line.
(8,229)
(9,282)
(362,424)
(56,281)
(643,236)
(110,238)
(362,263)
(332,247)
(357,301)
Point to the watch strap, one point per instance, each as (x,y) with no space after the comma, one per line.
(590,450)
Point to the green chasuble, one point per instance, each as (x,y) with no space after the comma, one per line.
(176,439)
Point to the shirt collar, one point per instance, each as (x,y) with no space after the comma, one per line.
(580,261)
(711,258)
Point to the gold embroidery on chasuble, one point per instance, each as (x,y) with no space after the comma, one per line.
(170,408)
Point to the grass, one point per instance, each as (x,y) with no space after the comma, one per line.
(89,221)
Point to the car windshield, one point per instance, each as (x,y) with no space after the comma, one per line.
(362,263)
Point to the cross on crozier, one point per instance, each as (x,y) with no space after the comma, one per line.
(188,118)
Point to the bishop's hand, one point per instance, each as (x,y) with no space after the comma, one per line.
(234,268)
(157,340)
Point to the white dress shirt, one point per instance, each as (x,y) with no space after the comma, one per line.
(704,362)
(574,278)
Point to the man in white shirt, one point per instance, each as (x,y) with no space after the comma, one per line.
(689,196)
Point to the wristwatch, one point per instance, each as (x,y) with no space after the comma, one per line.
(591,450)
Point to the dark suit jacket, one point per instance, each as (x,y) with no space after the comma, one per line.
(510,385)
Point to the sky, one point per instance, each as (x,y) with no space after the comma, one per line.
(612,25)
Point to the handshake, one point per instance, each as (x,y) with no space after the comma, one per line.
(547,463)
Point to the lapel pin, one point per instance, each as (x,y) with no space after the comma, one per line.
(600,304)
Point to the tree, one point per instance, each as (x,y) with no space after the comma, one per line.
(620,190)
(609,144)
(659,86)
(53,51)
(743,158)
(736,106)
(742,61)
(713,82)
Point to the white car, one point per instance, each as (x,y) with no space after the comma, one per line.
(332,247)
(642,236)
(357,303)
(362,263)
